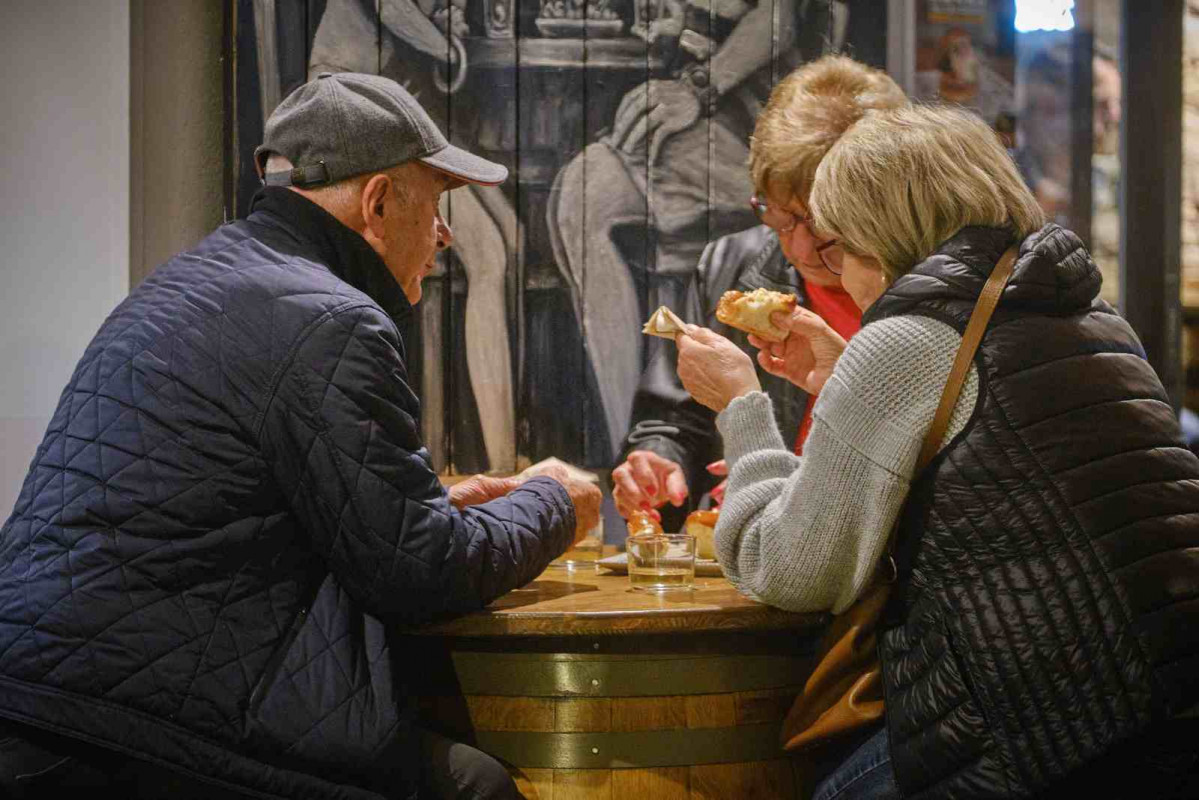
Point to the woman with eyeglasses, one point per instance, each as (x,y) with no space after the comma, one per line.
(1042,636)
(673,440)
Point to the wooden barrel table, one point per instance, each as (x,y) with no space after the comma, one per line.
(587,689)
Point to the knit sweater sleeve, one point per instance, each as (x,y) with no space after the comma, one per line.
(806,533)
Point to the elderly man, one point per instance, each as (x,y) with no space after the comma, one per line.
(232,506)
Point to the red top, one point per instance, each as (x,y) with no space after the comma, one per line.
(837,308)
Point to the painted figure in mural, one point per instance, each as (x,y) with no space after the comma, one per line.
(404,41)
(640,204)
(674,439)
(233,511)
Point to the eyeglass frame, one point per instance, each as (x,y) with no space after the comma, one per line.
(761,209)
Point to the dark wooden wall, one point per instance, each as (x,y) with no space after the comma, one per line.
(532,99)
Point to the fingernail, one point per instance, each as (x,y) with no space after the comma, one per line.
(711,466)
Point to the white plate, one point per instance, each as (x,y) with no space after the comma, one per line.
(619,563)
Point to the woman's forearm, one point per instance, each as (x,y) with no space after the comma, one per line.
(804,534)
(807,533)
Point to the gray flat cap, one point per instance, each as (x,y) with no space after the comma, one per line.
(347,123)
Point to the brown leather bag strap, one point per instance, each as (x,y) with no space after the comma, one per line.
(987,300)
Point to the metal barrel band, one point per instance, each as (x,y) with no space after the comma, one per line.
(547,676)
(634,749)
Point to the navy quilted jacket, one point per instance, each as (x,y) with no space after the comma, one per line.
(231,506)
(1049,603)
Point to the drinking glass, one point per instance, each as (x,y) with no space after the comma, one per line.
(585,553)
(661,562)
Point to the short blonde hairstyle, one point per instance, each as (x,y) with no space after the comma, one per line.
(902,182)
(807,112)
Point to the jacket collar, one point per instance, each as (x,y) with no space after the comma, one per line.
(308,230)
(1053,274)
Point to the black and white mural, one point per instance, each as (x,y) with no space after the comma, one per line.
(625,125)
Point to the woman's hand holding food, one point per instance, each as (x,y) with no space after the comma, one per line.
(645,481)
(808,354)
(714,370)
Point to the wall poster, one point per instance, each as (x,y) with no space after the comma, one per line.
(528,341)
(965,54)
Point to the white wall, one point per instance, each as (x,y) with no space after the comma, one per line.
(64,204)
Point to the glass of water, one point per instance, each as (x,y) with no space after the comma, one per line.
(585,552)
(661,562)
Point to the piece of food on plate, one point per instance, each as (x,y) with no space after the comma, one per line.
(702,525)
(641,523)
(750,311)
(664,323)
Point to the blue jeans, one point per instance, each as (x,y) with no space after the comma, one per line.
(865,775)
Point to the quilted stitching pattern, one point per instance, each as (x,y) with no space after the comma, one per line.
(1051,606)
(230,504)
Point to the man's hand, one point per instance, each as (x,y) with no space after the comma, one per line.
(808,354)
(646,481)
(480,489)
(584,495)
(714,370)
(653,112)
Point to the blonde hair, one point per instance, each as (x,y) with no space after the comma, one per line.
(807,112)
(902,182)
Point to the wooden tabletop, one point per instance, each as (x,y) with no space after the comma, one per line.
(562,602)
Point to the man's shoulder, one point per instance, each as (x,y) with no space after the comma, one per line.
(234,293)
(237,271)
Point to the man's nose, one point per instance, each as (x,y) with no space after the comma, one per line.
(445,236)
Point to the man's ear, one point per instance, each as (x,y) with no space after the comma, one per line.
(374,207)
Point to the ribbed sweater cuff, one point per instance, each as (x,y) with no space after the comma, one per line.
(747,424)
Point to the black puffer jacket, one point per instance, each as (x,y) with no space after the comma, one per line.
(230,506)
(1049,596)
(667,421)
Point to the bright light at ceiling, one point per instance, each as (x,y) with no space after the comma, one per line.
(1044,15)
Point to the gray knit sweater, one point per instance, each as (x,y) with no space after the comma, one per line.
(806,533)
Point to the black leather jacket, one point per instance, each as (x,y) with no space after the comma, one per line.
(666,420)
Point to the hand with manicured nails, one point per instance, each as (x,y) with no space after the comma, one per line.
(651,113)
(646,481)
(714,370)
(808,354)
(718,468)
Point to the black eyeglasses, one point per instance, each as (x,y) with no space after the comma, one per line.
(832,255)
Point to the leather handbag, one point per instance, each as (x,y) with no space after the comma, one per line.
(844,693)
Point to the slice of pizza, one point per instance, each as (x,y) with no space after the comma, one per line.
(664,323)
(750,311)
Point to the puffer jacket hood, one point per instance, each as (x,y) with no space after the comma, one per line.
(1053,274)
